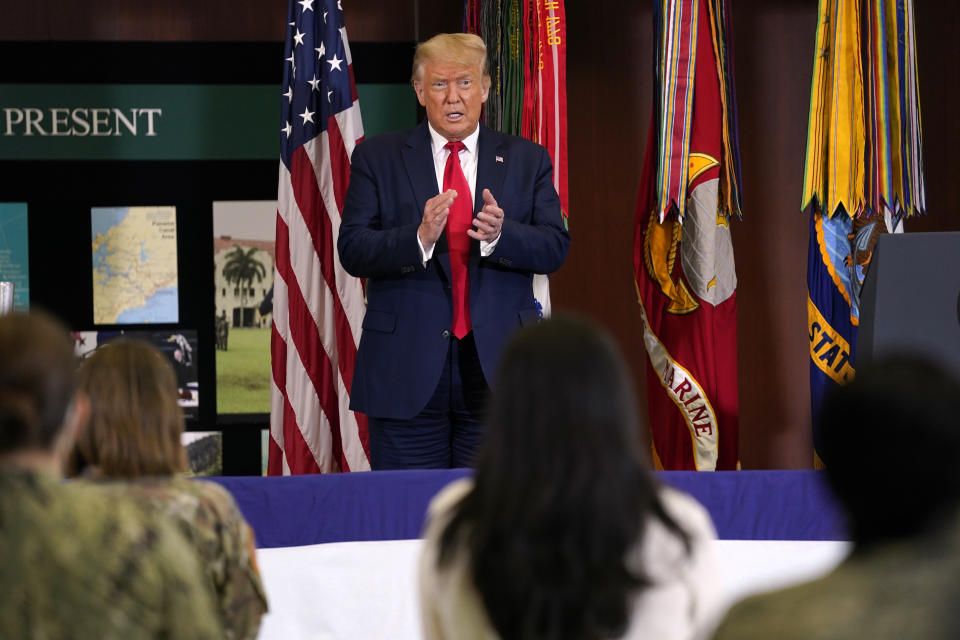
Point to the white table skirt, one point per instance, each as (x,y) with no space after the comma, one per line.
(368,590)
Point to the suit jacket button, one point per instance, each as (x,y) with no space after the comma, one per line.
(445,333)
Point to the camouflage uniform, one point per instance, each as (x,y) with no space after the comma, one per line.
(77,563)
(211,520)
(907,589)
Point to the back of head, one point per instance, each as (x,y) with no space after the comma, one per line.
(887,438)
(135,420)
(465,49)
(564,399)
(36,381)
(561,490)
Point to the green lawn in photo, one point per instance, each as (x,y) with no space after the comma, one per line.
(243,372)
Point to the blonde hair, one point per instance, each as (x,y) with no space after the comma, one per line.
(135,420)
(464,49)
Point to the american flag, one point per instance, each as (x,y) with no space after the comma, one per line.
(317,307)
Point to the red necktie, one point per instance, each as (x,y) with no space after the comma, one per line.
(459,220)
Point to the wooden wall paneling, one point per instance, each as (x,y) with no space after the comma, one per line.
(773,45)
(438,16)
(172,20)
(53,20)
(169,20)
(938,61)
(211,20)
(380,21)
(609,51)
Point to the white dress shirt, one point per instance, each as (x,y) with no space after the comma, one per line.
(468,164)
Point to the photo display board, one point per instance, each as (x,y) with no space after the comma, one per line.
(180,347)
(136,178)
(243,267)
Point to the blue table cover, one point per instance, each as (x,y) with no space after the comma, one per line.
(390,505)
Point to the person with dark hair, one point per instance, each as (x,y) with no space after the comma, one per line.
(134,438)
(564,532)
(887,438)
(76,561)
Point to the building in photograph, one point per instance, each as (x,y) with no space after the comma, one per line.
(243,277)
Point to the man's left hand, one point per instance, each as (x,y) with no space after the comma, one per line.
(489,220)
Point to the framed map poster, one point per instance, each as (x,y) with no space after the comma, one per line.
(134,265)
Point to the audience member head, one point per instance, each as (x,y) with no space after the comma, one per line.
(886,438)
(38,405)
(451,82)
(136,423)
(562,488)
(563,410)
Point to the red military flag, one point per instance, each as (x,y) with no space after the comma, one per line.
(551,90)
(683,254)
(317,307)
(527,53)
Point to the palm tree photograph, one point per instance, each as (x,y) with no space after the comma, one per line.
(243,255)
(242,268)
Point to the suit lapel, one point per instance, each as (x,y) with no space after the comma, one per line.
(490,171)
(418,161)
(490,175)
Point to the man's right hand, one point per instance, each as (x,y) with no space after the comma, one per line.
(435,213)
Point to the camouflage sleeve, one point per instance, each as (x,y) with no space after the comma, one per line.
(144,569)
(235,574)
(189,609)
(210,520)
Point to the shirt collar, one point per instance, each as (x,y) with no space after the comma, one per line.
(437,140)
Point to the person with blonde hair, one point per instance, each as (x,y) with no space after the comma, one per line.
(462,49)
(77,561)
(448,222)
(564,532)
(134,437)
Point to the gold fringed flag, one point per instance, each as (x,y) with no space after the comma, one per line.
(863,171)
(863,136)
(527,53)
(730,147)
(893,157)
(683,254)
(833,172)
(676,50)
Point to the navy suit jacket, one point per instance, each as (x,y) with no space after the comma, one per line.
(406,329)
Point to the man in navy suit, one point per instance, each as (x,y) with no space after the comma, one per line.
(449,250)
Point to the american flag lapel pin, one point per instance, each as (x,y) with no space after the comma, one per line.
(498,158)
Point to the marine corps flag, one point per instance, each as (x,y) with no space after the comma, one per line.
(683,255)
(863,171)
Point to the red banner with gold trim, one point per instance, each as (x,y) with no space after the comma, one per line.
(683,261)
